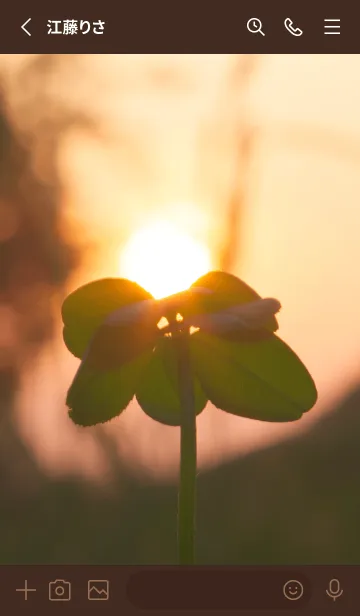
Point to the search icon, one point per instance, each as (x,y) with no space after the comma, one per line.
(254,26)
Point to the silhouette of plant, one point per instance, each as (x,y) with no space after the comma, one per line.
(218,345)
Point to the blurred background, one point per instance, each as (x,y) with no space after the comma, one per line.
(158,168)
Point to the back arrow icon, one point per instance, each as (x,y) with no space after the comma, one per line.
(23,26)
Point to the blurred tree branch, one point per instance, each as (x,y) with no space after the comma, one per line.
(35,256)
(244,70)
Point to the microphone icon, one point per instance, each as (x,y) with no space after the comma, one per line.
(334,591)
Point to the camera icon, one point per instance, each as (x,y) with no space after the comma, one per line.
(59,590)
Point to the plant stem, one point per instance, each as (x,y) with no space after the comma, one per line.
(187,486)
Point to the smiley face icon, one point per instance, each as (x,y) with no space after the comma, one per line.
(293,590)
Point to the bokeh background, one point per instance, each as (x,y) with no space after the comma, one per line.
(256,160)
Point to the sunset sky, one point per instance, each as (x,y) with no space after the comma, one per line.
(299,236)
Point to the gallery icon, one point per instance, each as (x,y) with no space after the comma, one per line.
(59,590)
(98,590)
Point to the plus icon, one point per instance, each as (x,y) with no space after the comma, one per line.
(26,590)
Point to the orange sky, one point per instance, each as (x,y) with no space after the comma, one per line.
(300,238)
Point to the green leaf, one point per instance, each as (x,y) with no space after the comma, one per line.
(85,309)
(113,345)
(95,397)
(261,380)
(227,290)
(158,392)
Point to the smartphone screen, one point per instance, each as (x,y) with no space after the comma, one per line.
(179,301)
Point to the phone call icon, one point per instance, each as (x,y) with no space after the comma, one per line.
(289,25)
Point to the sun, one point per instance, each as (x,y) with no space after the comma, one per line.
(163,259)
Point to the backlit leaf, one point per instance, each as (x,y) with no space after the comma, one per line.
(85,309)
(114,345)
(95,397)
(158,392)
(261,380)
(227,291)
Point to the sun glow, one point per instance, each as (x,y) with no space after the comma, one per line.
(163,259)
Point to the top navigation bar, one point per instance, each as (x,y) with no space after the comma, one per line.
(168,27)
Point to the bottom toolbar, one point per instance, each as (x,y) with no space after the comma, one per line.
(163,589)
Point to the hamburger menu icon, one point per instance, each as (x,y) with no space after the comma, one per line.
(98,590)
